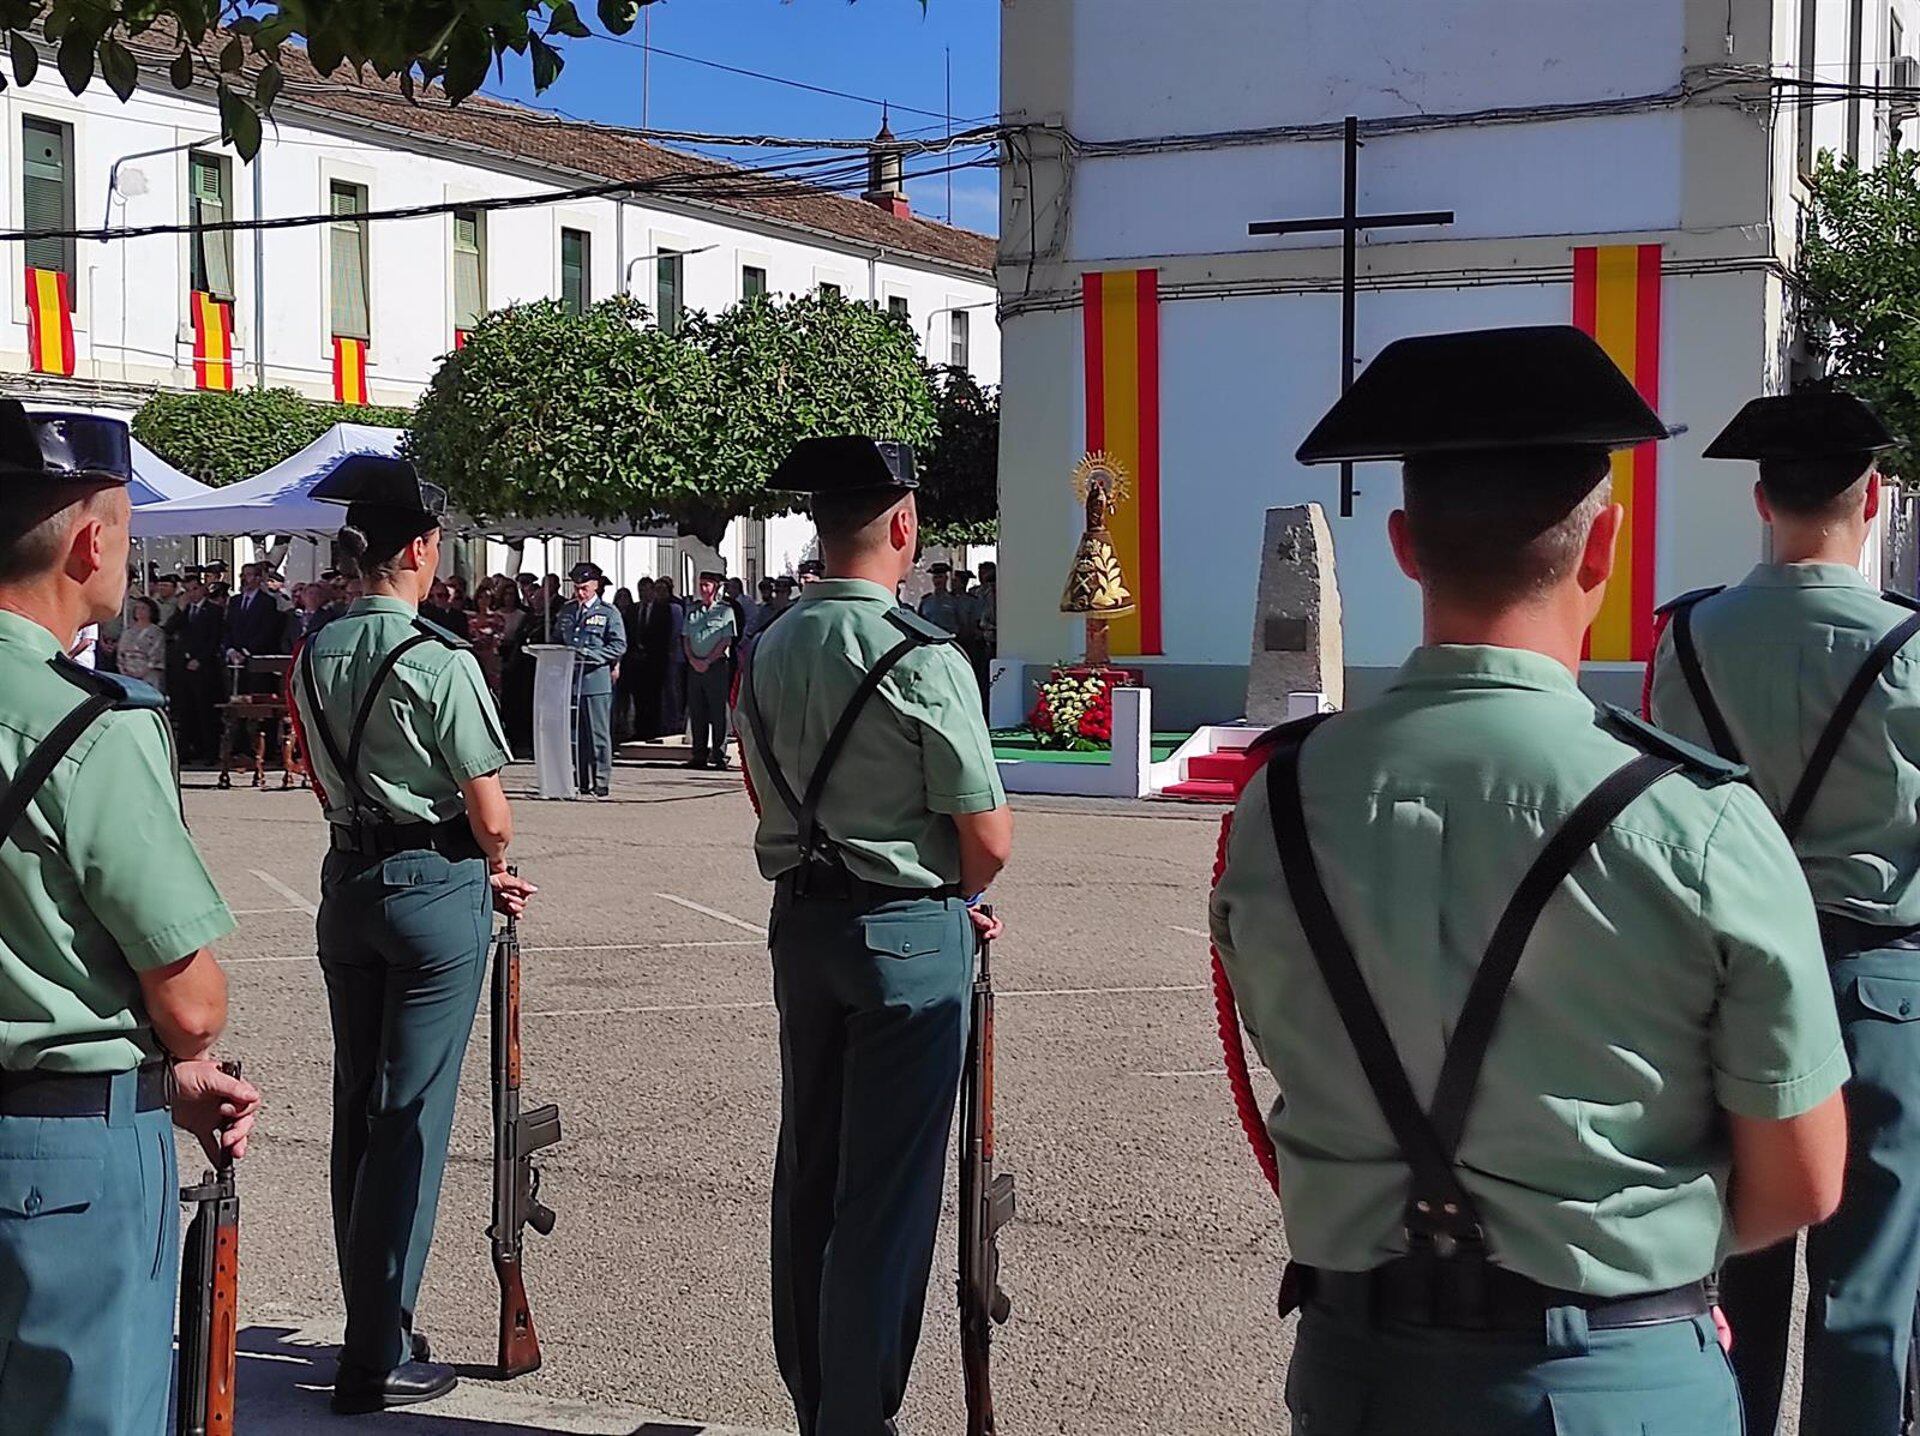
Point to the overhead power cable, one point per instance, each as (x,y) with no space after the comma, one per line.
(770,79)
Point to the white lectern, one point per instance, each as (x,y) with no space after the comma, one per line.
(554,726)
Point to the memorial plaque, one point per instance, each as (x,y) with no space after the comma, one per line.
(1296,629)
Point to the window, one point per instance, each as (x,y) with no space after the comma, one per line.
(829,291)
(469,267)
(1809,38)
(668,306)
(576,261)
(46,194)
(753,281)
(959,339)
(1856,48)
(210,258)
(1888,123)
(348,240)
(897,307)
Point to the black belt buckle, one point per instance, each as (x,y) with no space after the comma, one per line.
(1443,1280)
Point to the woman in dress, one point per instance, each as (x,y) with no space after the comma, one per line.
(143,645)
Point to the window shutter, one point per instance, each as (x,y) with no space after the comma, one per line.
(212,254)
(348,242)
(46,200)
(469,278)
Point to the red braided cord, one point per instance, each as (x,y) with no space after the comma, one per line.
(300,750)
(1252,1121)
(1646,683)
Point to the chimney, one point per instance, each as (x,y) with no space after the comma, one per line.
(885,186)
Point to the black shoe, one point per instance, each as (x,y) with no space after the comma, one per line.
(356,1391)
(602,793)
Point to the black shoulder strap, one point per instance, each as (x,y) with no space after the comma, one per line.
(41,762)
(788,798)
(325,730)
(1429,1140)
(1685,650)
(1831,736)
(371,696)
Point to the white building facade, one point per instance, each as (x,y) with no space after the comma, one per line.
(1637,168)
(385,298)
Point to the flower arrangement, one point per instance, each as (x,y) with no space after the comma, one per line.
(1074,709)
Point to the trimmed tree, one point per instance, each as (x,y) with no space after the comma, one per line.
(960,471)
(1860,286)
(543,413)
(221,438)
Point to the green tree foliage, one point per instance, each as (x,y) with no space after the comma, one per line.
(960,471)
(237,44)
(545,413)
(1860,284)
(220,438)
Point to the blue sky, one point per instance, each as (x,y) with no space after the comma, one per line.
(885,49)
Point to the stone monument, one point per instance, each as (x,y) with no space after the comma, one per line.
(1296,624)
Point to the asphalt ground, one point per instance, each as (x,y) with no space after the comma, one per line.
(1144,1260)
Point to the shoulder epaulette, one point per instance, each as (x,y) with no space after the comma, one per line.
(1900,598)
(439,634)
(1637,732)
(914,626)
(1689,599)
(126,693)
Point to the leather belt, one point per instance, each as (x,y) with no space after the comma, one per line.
(452,839)
(835,884)
(1849,937)
(1513,1303)
(76,1094)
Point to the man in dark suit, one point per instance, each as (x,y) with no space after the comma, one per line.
(194,671)
(439,609)
(254,622)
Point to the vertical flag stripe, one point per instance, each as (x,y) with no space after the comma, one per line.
(49,322)
(212,342)
(1616,299)
(459,339)
(349,370)
(1122,335)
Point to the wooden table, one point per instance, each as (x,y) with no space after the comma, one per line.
(263,712)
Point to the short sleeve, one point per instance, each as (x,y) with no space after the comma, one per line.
(139,872)
(956,752)
(466,727)
(1775,1042)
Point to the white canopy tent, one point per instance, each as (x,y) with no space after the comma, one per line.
(156,481)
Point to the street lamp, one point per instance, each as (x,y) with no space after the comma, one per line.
(626,279)
(954,309)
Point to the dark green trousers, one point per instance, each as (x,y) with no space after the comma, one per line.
(403,944)
(1863,1264)
(1351,1379)
(89,1269)
(707,695)
(593,742)
(873,1023)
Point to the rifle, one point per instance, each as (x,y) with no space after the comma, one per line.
(517,1136)
(210,1301)
(986,1205)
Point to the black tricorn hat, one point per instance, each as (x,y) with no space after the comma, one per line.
(584,571)
(713,575)
(380,482)
(816,567)
(1826,423)
(62,448)
(845,465)
(1541,387)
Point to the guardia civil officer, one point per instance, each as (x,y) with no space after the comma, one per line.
(941,606)
(1807,674)
(110,997)
(406,749)
(595,630)
(1541,985)
(882,822)
(713,630)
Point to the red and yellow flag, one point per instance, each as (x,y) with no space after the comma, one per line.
(1616,299)
(460,338)
(349,370)
(49,322)
(1122,315)
(212,342)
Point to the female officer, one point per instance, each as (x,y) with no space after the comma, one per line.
(405,749)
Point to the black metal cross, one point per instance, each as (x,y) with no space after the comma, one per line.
(1349,222)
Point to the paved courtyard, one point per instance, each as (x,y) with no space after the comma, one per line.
(1144,1261)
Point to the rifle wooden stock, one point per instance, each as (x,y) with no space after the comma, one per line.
(986,1205)
(517,1135)
(210,1304)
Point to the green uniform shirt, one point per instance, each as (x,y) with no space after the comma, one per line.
(709,627)
(918,753)
(99,879)
(433,727)
(1675,973)
(1777,652)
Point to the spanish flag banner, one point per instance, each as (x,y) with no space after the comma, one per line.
(459,339)
(349,370)
(1122,317)
(49,322)
(212,342)
(1616,299)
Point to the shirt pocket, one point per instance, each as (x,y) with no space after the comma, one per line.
(906,937)
(1897,999)
(44,1186)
